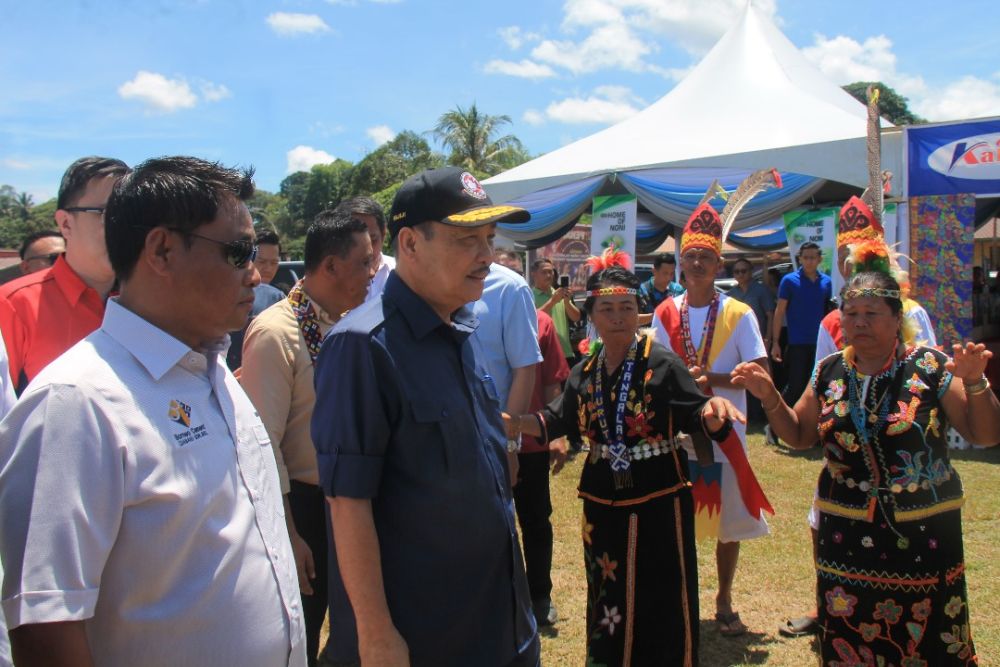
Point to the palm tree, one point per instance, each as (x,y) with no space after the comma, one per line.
(23,204)
(468,134)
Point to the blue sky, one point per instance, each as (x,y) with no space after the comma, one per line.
(284,84)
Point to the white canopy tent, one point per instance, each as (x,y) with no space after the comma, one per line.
(753,102)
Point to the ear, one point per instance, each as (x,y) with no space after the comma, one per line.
(329,265)
(159,252)
(406,241)
(64,222)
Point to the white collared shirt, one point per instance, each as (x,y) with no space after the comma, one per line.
(378,280)
(138,494)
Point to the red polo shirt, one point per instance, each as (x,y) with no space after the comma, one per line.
(42,315)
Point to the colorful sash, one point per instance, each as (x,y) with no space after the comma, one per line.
(305,316)
(707,480)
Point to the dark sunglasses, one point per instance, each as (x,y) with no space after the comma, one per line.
(50,258)
(239,253)
(99,210)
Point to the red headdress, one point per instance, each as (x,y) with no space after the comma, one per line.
(706,228)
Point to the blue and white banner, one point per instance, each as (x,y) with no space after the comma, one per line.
(954,158)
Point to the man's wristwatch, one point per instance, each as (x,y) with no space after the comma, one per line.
(514,446)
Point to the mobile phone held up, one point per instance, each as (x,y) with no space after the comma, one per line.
(564,282)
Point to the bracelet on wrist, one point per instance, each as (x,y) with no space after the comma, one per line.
(978,387)
(777,404)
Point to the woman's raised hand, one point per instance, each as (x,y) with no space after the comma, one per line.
(968,362)
(754,379)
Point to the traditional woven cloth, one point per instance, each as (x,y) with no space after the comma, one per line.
(305,315)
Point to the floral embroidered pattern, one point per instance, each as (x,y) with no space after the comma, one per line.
(915,385)
(835,391)
(848,441)
(841,409)
(888,610)
(611,619)
(839,602)
(608,567)
(928,364)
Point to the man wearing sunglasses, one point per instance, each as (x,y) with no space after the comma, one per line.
(45,313)
(40,250)
(140,508)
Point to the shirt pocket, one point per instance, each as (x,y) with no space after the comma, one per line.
(434,435)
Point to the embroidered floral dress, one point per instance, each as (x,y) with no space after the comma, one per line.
(638,528)
(890,564)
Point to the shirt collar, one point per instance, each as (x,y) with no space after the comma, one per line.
(152,347)
(418,313)
(69,282)
(321,314)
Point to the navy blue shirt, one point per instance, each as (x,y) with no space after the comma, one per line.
(406,416)
(807,301)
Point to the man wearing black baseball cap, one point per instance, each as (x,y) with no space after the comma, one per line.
(411,452)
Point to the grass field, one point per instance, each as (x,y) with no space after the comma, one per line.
(775,578)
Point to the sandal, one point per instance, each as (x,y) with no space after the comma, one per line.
(730,624)
(800,627)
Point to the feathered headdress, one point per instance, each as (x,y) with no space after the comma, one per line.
(706,228)
(860,222)
(612,256)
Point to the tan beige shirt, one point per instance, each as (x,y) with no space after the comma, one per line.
(277,374)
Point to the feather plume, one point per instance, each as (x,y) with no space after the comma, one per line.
(751,186)
(874,194)
(610,257)
(714,190)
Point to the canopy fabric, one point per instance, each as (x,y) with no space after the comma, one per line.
(753,102)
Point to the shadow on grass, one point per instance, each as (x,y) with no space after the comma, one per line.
(751,648)
(987,455)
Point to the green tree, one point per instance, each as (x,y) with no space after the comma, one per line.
(328,184)
(891,105)
(470,136)
(392,162)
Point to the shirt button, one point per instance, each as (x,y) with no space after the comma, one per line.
(444,413)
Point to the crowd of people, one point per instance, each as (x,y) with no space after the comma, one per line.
(198,468)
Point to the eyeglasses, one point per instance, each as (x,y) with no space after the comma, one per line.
(98,210)
(50,258)
(239,253)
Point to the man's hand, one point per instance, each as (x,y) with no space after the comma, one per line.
(304,564)
(563,294)
(717,411)
(388,649)
(558,452)
(776,352)
(514,465)
(700,378)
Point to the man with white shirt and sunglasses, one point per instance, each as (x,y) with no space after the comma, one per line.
(140,511)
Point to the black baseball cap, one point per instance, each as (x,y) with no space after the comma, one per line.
(449,195)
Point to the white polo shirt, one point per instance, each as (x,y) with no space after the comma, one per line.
(139,494)
(378,280)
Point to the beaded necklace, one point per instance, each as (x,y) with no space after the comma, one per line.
(620,460)
(707,333)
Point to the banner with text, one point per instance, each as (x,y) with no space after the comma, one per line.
(818,226)
(613,224)
(954,158)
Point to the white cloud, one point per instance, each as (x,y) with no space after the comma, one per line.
(525,69)
(213,92)
(289,24)
(304,158)
(533,117)
(158,92)
(969,97)
(13,163)
(607,105)
(515,38)
(380,134)
(610,46)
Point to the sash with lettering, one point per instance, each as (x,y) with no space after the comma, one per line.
(706,480)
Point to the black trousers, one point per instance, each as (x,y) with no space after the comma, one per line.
(309,513)
(534,509)
(799,360)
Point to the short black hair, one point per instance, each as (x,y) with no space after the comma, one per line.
(610,277)
(182,193)
(34,236)
(331,233)
(268,237)
(364,206)
(77,175)
(744,260)
(664,258)
(538,263)
(809,245)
